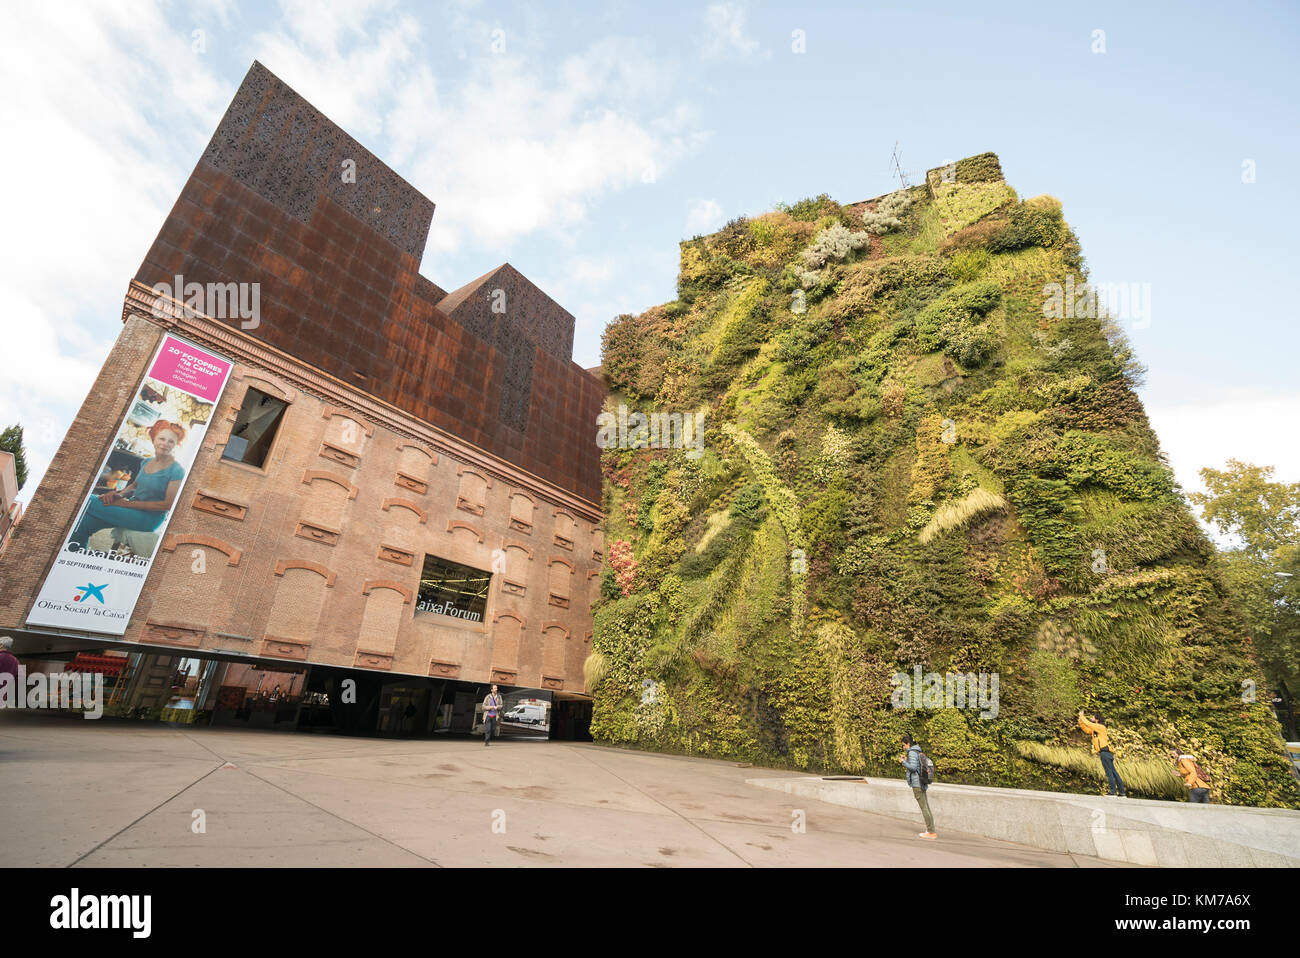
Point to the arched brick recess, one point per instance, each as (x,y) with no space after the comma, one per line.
(406,504)
(297,607)
(520,546)
(566,529)
(507,636)
(372,584)
(507,614)
(329,412)
(267,384)
(311,475)
(196,598)
(284,565)
(522,507)
(465,471)
(171,541)
(555,638)
(453,524)
(429,455)
(559,578)
(472,494)
(382,617)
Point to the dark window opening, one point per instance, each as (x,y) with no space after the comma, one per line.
(449,588)
(255,428)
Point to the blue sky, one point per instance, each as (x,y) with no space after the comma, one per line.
(581,142)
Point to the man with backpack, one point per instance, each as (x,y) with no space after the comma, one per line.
(1101,748)
(491,706)
(920,773)
(1195,778)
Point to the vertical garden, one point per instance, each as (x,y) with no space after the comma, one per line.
(922,447)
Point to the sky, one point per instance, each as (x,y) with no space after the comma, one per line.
(582,142)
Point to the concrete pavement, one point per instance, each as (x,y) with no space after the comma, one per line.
(84,793)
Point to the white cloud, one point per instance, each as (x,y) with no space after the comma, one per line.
(1249,425)
(112,108)
(511,144)
(106,111)
(724,31)
(703,217)
(591,272)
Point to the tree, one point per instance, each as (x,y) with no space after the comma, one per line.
(1263,570)
(11,440)
(1243,501)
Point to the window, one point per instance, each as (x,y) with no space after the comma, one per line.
(255,428)
(449,588)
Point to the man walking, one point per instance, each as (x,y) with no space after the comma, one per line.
(1101,748)
(916,778)
(1194,777)
(491,706)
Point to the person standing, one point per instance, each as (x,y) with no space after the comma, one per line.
(912,762)
(1194,777)
(1101,748)
(9,666)
(491,708)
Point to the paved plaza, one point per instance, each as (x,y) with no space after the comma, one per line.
(84,793)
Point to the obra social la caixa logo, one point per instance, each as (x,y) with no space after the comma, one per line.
(90,591)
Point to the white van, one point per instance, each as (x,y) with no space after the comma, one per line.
(526,714)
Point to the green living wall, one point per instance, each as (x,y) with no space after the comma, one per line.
(921,447)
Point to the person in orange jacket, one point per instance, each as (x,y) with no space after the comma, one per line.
(1101,748)
(1198,786)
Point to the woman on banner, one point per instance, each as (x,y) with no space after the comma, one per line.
(144,504)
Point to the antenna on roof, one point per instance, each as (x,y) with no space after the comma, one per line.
(898,166)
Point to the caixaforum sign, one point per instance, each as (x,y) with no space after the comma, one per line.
(106,555)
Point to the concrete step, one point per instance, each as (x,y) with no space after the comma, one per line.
(1138,831)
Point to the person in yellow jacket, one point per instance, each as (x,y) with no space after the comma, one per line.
(1198,787)
(1101,748)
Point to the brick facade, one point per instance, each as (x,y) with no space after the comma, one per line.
(460,431)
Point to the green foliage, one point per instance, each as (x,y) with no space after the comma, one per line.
(954,322)
(885,216)
(961,512)
(1150,778)
(978,169)
(1051,514)
(968,265)
(1263,572)
(914,466)
(834,243)
(1053,691)
(1030,225)
(1095,460)
(745,507)
(11,440)
(812,209)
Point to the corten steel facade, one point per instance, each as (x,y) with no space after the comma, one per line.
(418,423)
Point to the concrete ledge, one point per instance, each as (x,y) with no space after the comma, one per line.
(1138,831)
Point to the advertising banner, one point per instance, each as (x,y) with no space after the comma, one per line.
(106,556)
